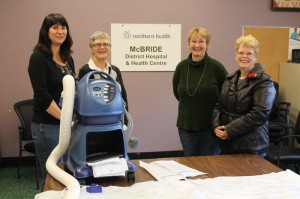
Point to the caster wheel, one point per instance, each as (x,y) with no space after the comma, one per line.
(130,176)
(82,181)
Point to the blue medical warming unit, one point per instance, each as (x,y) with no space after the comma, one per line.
(98,132)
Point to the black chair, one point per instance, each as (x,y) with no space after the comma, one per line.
(287,152)
(24,110)
(279,118)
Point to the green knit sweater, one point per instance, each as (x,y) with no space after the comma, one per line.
(194,112)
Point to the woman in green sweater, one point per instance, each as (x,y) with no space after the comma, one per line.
(197,82)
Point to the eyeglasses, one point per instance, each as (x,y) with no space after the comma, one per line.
(242,54)
(99,45)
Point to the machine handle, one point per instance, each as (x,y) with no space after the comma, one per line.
(101,73)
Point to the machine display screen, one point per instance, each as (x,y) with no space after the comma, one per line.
(97,88)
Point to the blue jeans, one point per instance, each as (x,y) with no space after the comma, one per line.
(198,143)
(46,138)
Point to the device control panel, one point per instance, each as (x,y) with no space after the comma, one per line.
(103,92)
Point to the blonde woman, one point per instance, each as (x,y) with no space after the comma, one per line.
(197,82)
(240,116)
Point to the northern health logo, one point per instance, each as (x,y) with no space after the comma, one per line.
(127,35)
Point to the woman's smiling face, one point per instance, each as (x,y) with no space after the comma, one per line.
(245,58)
(101,48)
(197,46)
(57,34)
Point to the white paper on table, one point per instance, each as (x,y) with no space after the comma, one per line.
(169,170)
(179,168)
(284,184)
(109,167)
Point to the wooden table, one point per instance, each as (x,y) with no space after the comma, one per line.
(214,166)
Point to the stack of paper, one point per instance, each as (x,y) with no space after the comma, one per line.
(169,170)
(115,166)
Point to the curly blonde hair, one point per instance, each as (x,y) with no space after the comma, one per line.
(247,41)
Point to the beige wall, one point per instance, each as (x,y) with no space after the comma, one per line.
(289,82)
(274,47)
(151,101)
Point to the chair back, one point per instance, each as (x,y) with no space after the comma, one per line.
(24,110)
(297,127)
(275,108)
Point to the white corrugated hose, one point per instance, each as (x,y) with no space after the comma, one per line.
(72,190)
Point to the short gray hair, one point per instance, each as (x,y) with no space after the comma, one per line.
(97,35)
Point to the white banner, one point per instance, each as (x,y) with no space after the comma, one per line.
(146,47)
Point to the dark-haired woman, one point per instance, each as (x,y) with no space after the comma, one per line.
(50,61)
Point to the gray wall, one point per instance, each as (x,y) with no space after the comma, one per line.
(152,105)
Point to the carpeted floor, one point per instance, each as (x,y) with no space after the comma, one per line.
(13,188)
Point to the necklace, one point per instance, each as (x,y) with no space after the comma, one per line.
(66,70)
(187,80)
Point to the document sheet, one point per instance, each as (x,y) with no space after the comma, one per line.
(169,170)
(109,167)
